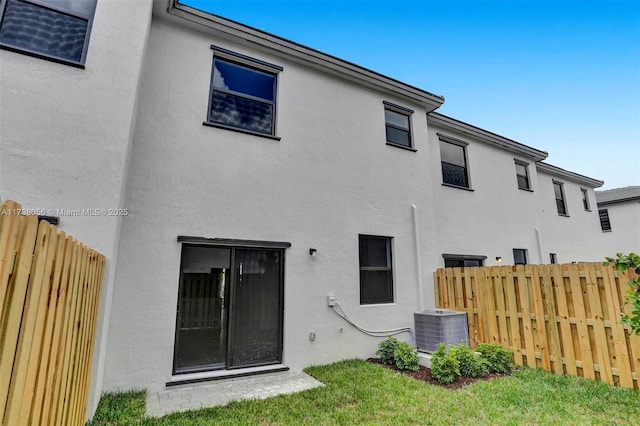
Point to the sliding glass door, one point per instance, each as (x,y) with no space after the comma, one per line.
(230,306)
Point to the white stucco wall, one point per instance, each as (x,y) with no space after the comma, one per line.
(625,228)
(65,134)
(496,216)
(576,237)
(330,178)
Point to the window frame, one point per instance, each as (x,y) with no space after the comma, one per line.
(61,10)
(585,199)
(462,144)
(526,175)
(463,257)
(525,254)
(252,64)
(407,112)
(389,268)
(606,220)
(563,199)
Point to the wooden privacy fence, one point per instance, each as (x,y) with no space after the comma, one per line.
(49,294)
(562,318)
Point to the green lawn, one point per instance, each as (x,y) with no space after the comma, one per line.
(358,392)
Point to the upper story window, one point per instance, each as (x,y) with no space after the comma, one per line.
(376,271)
(453,156)
(553,258)
(520,256)
(585,199)
(51,29)
(243,93)
(398,125)
(559,194)
(605,224)
(522,174)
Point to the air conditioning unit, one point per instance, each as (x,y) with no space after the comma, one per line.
(435,326)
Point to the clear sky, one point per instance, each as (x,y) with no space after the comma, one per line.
(561,76)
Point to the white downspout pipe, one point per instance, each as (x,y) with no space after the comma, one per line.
(416,236)
(539,240)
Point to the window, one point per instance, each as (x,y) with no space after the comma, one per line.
(398,125)
(553,258)
(520,256)
(462,260)
(585,199)
(243,97)
(53,29)
(559,193)
(454,164)
(522,175)
(604,219)
(376,273)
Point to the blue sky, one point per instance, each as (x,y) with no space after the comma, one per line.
(562,76)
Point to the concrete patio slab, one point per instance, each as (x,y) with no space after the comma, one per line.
(221,392)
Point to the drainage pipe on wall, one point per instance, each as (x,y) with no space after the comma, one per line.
(416,236)
(539,240)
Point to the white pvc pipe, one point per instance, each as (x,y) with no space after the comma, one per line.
(416,235)
(539,240)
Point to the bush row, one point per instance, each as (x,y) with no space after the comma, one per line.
(461,360)
(448,365)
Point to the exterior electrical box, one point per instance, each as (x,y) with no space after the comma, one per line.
(435,326)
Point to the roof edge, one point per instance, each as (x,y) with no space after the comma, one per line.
(575,177)
(486,136)
(304,54)
(619,200)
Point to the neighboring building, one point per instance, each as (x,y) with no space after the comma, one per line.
(249,179)
(619,212)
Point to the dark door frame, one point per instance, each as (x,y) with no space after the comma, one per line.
(232,244)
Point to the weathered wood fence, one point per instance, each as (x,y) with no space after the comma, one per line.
(562,318)
(49,293)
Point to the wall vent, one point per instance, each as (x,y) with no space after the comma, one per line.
(435,326)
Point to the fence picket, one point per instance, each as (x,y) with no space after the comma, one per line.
(514,322)
(566,338)
(552,335)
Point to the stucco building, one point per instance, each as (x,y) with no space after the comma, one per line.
(247,178)
(619,212)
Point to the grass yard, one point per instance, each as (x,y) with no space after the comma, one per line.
(358,392)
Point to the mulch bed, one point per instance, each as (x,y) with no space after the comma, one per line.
(424,374)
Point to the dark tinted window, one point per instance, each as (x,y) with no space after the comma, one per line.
(585,199)
(242,97)
(605,224)
(461,263)
(376,274)
(60,31)
(523,176)
(520,256)
(397,128)
(454,164)
(559,194)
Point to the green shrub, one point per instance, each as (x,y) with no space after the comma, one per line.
(497,358)
(623,262)
(386,350)
(471,364)
(444,365)
(401,354)
(406,357)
